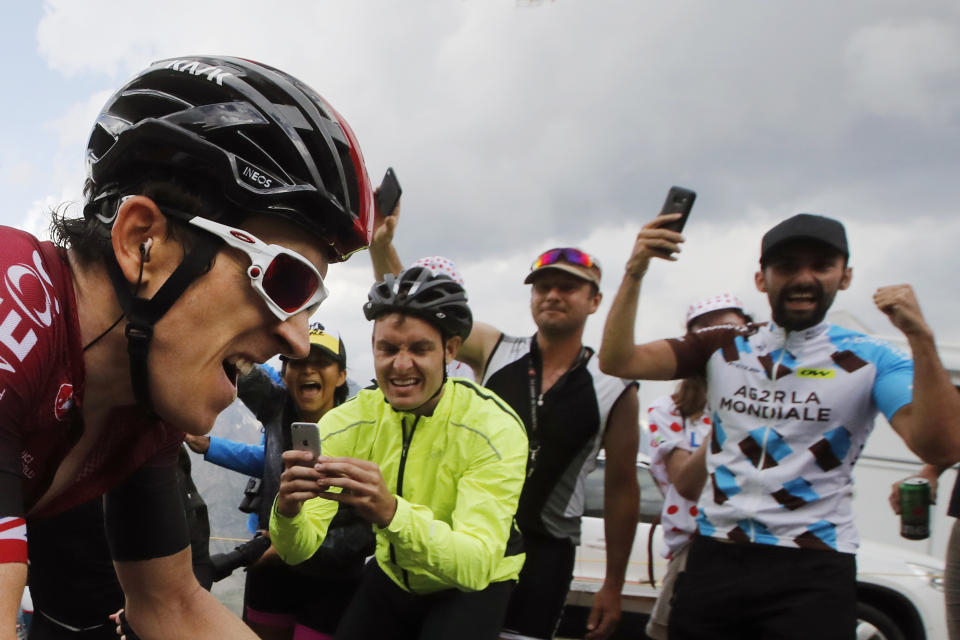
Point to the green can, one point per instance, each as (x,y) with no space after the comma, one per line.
(915,509)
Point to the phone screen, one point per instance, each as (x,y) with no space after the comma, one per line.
(389,193)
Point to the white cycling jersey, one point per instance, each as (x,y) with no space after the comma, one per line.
(791,414)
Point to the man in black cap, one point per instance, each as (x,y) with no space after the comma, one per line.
(793,403)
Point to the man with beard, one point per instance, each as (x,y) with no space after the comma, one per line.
(793,403)
(570,409)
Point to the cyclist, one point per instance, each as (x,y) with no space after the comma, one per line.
(308,600)
(435,463)
(794,401)
(218,191)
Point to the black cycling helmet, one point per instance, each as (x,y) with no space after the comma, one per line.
(264,141)
(416,291)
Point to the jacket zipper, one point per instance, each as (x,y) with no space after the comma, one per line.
(407,437)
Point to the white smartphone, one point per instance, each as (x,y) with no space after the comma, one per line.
(306,437)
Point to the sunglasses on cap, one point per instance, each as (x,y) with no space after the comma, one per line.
(566,254)
(287,282)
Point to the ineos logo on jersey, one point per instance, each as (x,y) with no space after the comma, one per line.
(196,68)
(30,288)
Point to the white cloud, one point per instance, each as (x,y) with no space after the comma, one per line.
(907,70)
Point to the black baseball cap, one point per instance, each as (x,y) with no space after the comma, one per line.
(805,226)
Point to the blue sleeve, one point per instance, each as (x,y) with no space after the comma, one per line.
(236,456)
(273,374)
(893,387)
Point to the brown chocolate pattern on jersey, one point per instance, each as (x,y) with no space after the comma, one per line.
(823,454)
(738,535)
(751,449)
(848,360)
(788,500)
(718,496)
(807,540)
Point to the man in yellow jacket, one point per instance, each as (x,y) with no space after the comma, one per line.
(435,464)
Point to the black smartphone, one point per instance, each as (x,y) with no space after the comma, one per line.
(679,200)
(306,437)
(389,193)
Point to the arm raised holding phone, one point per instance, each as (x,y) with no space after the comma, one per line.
(619,354)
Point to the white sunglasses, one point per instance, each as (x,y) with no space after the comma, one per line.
(288,282)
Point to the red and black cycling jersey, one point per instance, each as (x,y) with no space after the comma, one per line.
(41,391)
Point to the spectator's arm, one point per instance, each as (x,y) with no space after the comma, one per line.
(930,472)
(621,501)
(383,255)
(619,354)
(299,519)
(687,470)
(476,349)
(930,423)
(236,456)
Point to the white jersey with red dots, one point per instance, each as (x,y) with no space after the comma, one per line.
(670,431)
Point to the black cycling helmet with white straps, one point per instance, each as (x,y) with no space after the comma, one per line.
(256,140)
(416,291)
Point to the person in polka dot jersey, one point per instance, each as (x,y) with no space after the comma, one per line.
(679,423)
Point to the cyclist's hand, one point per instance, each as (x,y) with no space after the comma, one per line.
(362,485)
(298,482)
(654,242)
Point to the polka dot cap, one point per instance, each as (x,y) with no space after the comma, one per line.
(438,265)
(716,303)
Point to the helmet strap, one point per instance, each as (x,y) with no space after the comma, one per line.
(142,313)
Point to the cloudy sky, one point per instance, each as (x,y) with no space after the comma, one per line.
(515,126)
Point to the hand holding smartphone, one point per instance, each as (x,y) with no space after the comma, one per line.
(679,200)
(388,194)
(306,437)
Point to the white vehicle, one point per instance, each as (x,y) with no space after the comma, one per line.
(899,593)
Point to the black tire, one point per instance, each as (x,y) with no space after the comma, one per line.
(873,624)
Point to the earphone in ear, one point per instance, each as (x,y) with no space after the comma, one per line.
(145,249)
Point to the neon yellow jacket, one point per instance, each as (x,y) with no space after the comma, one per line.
(457,475)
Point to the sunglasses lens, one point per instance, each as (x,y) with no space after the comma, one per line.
(289,282)
(548,257)
(575,256)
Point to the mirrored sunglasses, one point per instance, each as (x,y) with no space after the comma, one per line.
(566,254)
(287,282)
